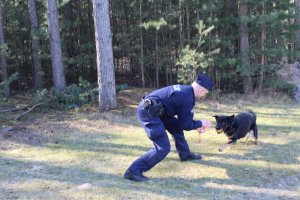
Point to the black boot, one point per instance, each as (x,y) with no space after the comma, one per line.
(135,177)
(192,156)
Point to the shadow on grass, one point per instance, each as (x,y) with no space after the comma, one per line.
(18,170)
(286,115)
(97,143)
(276,153)
(74,176)
(218,189)
(277,130)
(71,138)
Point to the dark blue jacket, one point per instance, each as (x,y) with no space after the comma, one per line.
(179,100)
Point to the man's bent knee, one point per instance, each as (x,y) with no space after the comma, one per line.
(158,156)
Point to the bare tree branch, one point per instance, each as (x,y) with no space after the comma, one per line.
(33,107)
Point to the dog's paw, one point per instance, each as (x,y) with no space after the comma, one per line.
(257,142)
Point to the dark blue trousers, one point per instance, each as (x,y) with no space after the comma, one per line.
(155,128)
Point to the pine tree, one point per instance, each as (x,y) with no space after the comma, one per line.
(244,47)
(5,82)
(35,43)
(297,33)
(106,75)
(55,43)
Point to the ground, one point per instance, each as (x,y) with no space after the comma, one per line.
(83,154)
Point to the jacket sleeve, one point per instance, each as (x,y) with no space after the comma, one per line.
(185,113)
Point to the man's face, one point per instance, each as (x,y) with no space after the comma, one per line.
(201,93)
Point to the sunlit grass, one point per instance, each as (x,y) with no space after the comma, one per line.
(87,154)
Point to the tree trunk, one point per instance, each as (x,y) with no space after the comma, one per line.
(297,33)
(180,24)
(156,47)
(70,40)
(55,47)
(244,48)
(142,47)
(6,90)
(170,53)
(188,24)
(35,43)
(105,66)
(127,29)
(262,44)
(197,11)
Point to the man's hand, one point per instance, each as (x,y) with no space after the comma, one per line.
(201,130)
(206,123)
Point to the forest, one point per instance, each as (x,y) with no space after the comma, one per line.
(72,120)
(241,44)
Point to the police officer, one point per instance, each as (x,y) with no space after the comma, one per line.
(171,109)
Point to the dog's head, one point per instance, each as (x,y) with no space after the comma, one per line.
(223,123)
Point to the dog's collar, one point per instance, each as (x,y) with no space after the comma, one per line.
(229,132)
(229,136)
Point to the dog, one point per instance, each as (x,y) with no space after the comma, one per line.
(236,127)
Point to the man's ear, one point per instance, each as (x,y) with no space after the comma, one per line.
(216,117)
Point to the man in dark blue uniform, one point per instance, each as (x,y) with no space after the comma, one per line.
(171,109)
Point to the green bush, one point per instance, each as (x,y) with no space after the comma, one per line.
(192,58)
(74,95)
(281,85)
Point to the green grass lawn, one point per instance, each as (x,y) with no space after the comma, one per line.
(59,155)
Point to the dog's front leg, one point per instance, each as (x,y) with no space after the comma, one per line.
(248,135)
(257,142)
(227,145)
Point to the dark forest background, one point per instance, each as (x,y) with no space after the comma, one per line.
(240,44)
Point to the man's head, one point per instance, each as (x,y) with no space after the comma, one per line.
(202,85)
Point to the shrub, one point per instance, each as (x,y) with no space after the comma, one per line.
(281,85)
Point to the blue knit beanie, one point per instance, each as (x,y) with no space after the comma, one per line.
(205,81)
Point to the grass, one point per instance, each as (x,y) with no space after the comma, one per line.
(84,155)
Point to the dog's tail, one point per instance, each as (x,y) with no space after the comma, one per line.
(252,113)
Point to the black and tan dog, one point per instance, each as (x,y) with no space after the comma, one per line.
(236,127)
